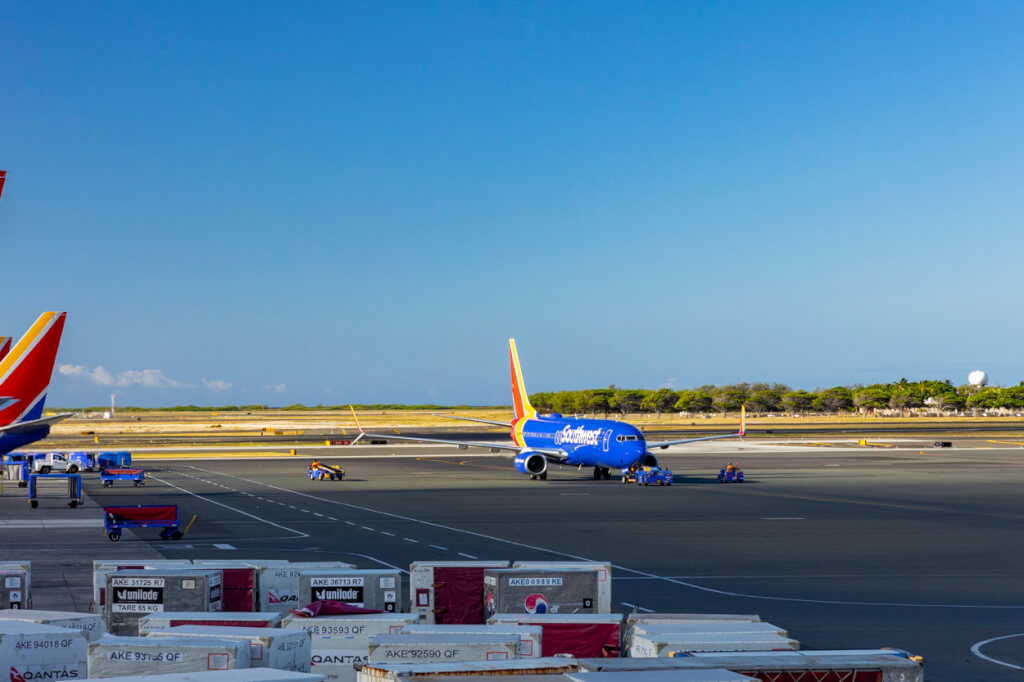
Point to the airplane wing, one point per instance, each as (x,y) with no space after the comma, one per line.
(739,434)
(472,419)
(22,427)
(553,455)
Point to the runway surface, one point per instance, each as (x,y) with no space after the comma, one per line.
(915,549)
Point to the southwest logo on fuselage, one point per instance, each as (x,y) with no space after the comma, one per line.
(539,440)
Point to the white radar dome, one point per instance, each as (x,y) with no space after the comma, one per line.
(978,378)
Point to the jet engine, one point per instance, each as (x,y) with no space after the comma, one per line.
(532,463)
(649,460)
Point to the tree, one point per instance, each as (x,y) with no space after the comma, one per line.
(984,399)
(875,397)
(628,399)
(903,400)
(798,401)
(728,399)
(764,400)
(600,401)
(693,401)
(835,399)
(659,401)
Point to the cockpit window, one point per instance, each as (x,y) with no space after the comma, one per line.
(622,438)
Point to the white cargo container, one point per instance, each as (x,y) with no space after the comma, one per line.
(15,594)
(530,636)
(719,627)
(661,645)
(443,591)
(279,585)
(402,672)
(572,633)
(100,570)
(268,647)
(170,619)
(710,675)
(890,665)
(32,651)
(90,624)
(367,588)
(253,675)
(440,648)
(135,593)
(633,620)
(339,642)
(604,576)
(113,656)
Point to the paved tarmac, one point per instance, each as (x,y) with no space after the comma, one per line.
(846,548)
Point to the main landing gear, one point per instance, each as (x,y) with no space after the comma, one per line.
(543,477)
(602,473)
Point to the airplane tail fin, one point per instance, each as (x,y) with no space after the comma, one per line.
(5,346)
(25,371)
(521,401)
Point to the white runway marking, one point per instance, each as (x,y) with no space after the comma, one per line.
(223,545)
(51,523)
(297,533)
(468,556)
(645,574)
(388,534)
(783,518)
(318,514)
(332,518)
(443,549)
(410,540)
(367,528)
(976,650)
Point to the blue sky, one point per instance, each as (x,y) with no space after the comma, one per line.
(332,202)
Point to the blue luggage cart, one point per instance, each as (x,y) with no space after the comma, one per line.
(74,487)
(108,476)
(115,519)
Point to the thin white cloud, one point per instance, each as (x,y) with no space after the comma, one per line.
(216,384)
(277,388)
(148,378)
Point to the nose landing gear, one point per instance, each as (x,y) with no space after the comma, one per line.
(602,473)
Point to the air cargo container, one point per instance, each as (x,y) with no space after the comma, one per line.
(279,585)
(31,651)
(90,624)
(665,644)
(113,656)
(268,647)
(449,592)
(379,589)
(588,635)
(339,642)
(604,576)
(440,648)
(877,665)
(520,590)
(101,569)
(492,670)
(14,589)
(661,676)
(530,636)
(251,675)
(172,619)
(635,619)
(136,593)
(720,627)
(240,583)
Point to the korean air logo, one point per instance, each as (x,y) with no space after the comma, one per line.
(536,603)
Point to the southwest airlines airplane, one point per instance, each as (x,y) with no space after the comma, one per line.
(540,440)
(25,373)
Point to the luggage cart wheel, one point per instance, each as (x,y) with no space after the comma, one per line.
(114,536)
(73,503)
(136,484)
(176,535)
(34,503)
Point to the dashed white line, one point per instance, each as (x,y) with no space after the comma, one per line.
(443,549)
(318,514)
(350,523)
(783,518)
(223,545)
(367,528)
(332,518)
(388,534)
(468,556)
(410,540)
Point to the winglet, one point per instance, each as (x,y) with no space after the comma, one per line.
(358,426)
(520,400)
(743,420)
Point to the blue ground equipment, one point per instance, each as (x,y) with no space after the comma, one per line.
(114,460)
(16,466)
(319,471)
(108,476)
(115,519)
(731,473)
(74,487)
(648,476)
(86,461)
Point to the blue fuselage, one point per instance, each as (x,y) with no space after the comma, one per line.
(13,441)
(585,442)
